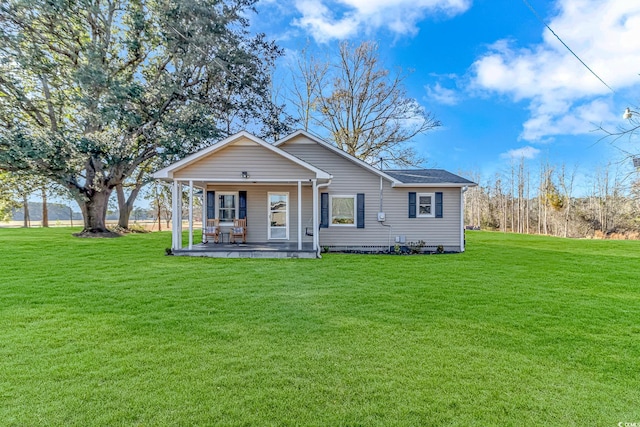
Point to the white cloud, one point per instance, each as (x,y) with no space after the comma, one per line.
(521,153)
(442,94)
(564,97)
(339,19)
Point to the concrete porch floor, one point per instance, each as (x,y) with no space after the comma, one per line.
(249,250)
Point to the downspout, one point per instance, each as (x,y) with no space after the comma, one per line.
(462,191)
(317,231)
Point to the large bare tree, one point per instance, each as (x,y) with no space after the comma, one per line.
(362,105)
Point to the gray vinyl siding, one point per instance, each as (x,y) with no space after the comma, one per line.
(433,231)
(350,179)
(231,161)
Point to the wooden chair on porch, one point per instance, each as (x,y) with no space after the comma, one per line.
(212,229)
(239,229)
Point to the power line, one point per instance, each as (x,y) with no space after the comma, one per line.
(565,45)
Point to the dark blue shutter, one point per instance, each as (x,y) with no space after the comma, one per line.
(211,204)
(438,204)
(324,210)
(242,204)
(360,210)
(412,205)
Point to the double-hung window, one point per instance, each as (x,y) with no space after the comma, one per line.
(426,205)
(343,210)
(227,206)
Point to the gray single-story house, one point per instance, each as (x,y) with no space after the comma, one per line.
(301,195)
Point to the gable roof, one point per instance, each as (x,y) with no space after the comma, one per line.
(338,151)
(398,178)
(167,173)
(418,177)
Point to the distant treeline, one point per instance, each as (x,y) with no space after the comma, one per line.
(543,202)
(60,212)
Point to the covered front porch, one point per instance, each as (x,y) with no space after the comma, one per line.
(280,215)
(244,178)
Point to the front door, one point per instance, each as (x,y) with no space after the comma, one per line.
(278,216)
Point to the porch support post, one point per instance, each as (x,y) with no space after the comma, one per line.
(175,242)
(190,214)
(299,215)
(203,203)
(179,214)
(315,215)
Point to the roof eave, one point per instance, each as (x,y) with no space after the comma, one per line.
(441,184)
(162,174)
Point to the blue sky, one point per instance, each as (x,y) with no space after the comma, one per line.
(503,85)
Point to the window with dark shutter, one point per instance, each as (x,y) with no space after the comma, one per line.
(324,210)
(211,204)
(242,204)
(412,205)
(360,210)
(439,204)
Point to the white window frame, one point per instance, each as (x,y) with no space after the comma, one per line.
(237,202)
(433,205)
(355,209)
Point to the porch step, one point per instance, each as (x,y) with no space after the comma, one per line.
(246,254)
(248,250)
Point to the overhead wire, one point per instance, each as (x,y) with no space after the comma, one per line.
(565,45)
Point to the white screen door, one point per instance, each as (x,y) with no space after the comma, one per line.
(278,216)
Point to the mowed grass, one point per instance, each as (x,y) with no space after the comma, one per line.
(519,330)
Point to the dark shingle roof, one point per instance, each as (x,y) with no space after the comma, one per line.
(426,176)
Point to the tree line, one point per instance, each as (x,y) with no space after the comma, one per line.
(553,200)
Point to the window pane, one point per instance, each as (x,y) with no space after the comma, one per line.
(342,210)
(425,203)
(278,233)
(226,207)
(425,210)
(278,219)
(278,202)
(227,201)
(227,214)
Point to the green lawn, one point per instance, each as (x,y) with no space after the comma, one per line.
(518,330)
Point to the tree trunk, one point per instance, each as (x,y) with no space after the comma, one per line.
(159,215)
(124,212)
(25,210)
(125,204)
(45,208)
(94,212)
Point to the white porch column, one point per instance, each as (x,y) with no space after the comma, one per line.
(299,215)
(190,214)
(179,215)
(204,211)
(316,230)
(175,242)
